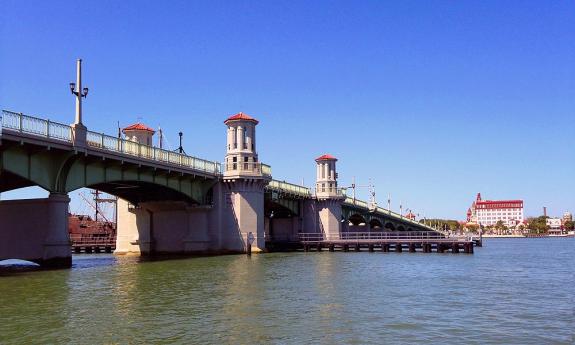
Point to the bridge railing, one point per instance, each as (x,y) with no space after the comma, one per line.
(248,168)
(332,190)
(287,187)
(35,126)
(21,123)
(375,235)
(381,210)
(120,145)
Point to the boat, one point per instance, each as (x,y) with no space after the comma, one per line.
(93,234)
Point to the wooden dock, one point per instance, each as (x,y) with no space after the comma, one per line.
(92,245)
(412,242)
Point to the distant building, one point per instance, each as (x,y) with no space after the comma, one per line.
(555,226)
(567,217)
(489,212)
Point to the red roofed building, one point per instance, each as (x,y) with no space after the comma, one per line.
(241,117)
(326,177)
(326,157)
(139,133)
(489,212)
(241,153)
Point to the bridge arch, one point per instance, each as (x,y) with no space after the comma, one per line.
(11,181)
(139,191)
(357,219)
(375,224)
(389,226)
(400,228)
(61,171)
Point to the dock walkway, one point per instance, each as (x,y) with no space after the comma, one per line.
(412,241)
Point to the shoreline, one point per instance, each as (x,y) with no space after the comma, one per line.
(522,236)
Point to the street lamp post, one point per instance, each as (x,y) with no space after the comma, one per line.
(79,131)
(76,89)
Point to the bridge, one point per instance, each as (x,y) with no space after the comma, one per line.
(169,202)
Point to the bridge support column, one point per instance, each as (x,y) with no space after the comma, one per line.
(197,239)
(245,201)
(329,214)
(135,225)
(41,238)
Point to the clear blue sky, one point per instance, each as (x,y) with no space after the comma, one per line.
(433,100)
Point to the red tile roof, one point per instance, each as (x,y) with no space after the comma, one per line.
(241,116)
(325,157)
(138,127)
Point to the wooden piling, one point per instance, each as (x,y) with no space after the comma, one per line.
(440,248)
(370,248)
(412,247)
(398,248)
(455,247)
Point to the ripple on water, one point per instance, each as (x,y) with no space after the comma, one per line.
(512,291)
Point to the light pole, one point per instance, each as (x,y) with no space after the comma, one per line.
(79,92)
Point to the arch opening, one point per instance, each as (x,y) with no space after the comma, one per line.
(375,224)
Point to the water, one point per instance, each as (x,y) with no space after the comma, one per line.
(512,291)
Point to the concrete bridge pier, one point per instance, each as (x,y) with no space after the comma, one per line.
(197,240)
(329,214)
(135,227)
(41,238)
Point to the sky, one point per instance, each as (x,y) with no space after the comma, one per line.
(433,101)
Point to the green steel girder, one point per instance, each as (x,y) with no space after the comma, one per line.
(60,171)
(293,205)
(348,211)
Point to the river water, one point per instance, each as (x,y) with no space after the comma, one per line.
(512,291)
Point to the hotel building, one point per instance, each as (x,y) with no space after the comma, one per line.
(489,212)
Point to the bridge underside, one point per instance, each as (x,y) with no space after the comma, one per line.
(61,171)
(360,219)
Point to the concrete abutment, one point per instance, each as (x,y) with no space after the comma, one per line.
(36,230)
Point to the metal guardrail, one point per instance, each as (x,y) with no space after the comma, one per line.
(21,123)
(287,187)
(247,168)
(110,143)
(340,192)
(380,210)
(35,126)
(384,235)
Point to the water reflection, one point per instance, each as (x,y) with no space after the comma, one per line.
(300,298)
